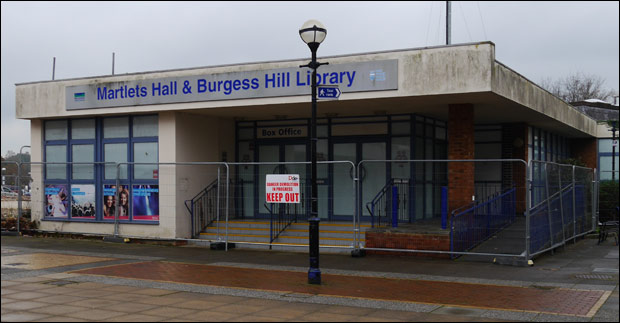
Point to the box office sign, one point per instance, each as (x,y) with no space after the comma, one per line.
(350,77)
(282,132)
(282,188)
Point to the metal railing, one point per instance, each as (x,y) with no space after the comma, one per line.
(285,215)
(204,208)
(391,203)
(567,208)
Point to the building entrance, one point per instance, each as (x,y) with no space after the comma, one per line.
(372,176)
(294,151)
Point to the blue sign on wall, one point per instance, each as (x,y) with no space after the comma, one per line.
(328,92)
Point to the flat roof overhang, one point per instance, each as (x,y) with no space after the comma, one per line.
(430,79)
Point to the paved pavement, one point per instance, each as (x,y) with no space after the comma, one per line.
(55,279)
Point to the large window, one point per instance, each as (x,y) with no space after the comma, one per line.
(607,158)
(82,180)
(397,137)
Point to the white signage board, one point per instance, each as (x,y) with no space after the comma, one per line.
(282,188)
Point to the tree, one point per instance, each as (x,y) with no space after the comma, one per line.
(578,87)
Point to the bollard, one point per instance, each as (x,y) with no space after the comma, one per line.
(444,207)
(394,206)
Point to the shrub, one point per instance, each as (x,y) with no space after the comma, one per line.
(608,201)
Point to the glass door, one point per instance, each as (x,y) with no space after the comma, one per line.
(343,199)
(266,153)
(275,155)
(373,176)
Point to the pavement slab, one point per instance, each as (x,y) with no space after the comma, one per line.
(95,281)
(483,296)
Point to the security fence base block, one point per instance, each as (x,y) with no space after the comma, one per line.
(113,239)
(511,261)
(358,253)
(221,245)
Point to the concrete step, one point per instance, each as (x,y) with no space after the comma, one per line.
(334,237)
(237,237)
(242,224)
(236,230)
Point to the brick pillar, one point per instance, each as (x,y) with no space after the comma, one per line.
(584,149)
(514,146)
(460,146)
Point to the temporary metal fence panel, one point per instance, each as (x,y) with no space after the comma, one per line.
(411,194)
(560,201)
(73,191)
(471,227)
(566,208)
(288,222)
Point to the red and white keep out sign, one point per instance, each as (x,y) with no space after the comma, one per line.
(282,188)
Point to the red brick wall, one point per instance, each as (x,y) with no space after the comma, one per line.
(584,149)
(411,241)
(460,146)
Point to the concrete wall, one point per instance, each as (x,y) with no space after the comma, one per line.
(199,139)
(432,71)
(517,88)
(455,72)
(37,192)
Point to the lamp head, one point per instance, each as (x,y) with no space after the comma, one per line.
(313,33)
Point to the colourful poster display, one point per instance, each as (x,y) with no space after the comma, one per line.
(109,202)
(57,198)
(83,201)
(145,202)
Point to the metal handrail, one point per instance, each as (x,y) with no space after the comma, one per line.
(370,206)
(199,199)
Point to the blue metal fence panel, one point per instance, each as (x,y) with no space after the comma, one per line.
(474,225)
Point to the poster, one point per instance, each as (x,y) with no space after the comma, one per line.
(57,198)
(109,202)
(83,201)
(145,202)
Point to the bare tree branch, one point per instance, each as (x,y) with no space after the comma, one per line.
(578,87)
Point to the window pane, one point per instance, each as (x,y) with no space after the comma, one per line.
(145,153)
(116,153)
(145,126)
(83,154)
(56,130)
(401,128)
(116,128)
(56,154)
(400,151)
(440,133)
(605,166)
(83,129)
(605,146)
(487,136)
(246,133)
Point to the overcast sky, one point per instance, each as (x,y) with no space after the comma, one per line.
(537,39)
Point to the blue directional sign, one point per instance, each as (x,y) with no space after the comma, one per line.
(328,92)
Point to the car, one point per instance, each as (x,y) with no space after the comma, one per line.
(7,192)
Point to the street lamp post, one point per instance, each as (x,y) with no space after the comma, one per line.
(312,32)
